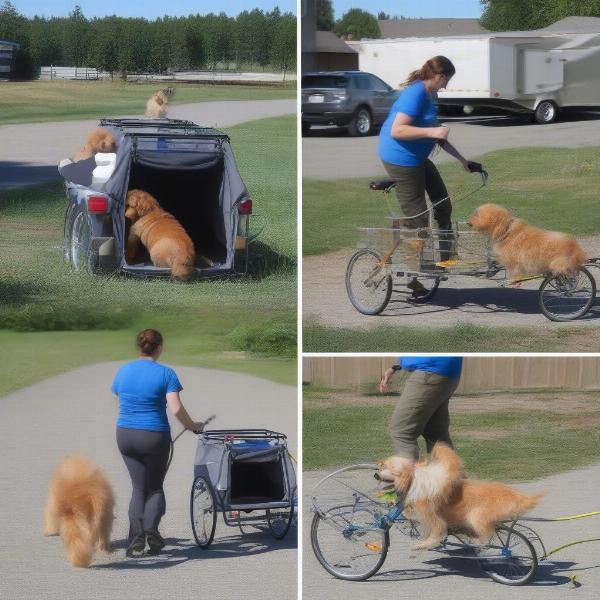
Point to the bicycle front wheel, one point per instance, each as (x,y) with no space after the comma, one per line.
(368,282)
(349,551)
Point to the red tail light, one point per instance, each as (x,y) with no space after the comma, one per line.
(245,207)
(97,204)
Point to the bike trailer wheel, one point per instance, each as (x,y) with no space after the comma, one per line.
(203,512)
(349,550)
(279,520)
(567,297)
(509,558)
(368,282)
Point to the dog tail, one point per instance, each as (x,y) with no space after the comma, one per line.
(569,262)
(528,502)
(77,535)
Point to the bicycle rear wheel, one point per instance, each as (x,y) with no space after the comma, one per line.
(567,297)
(203,512)
(368,282)
(354,551)
(509,558)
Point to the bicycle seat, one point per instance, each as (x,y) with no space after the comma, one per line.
(382,185)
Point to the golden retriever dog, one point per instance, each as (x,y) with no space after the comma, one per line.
(526,250)
(80,509)
(156,107)
(98,140)
(160,232)
(442,498)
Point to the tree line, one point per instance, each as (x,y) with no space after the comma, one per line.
(118,45)
(354,24)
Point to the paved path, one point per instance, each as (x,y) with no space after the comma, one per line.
(331,154)
(75,413)
(33,150)
(422,574)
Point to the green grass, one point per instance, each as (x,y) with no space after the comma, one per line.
(37,101)
(32,357)
(515,445)
(208,318)
(555,188)
(457,338)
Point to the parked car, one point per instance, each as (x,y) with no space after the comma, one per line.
(353,99)
(189,169)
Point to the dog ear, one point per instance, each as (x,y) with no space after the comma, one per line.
(403,481)
(145,203)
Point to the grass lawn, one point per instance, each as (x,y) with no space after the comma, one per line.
(37,101)
(228,323)
(508,444)
(32,357)
(458,338)
(555,188)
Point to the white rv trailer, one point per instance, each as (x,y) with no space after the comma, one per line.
(537,72)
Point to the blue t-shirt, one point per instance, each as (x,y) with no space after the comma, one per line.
(418,104)
(142,387)
(449,366)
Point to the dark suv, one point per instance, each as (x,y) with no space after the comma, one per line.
(352,99)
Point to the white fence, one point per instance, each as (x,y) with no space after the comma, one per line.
(196,76)
(69,73)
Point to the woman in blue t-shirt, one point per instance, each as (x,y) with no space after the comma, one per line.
(144,388)
(406,140)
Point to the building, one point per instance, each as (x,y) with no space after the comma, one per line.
(404,28)
(8,53)
(323,50)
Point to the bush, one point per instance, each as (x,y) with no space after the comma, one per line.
(276,338)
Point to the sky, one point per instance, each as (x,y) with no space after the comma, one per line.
(150,9)
(413,8)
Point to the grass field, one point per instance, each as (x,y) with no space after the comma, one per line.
(210,320)
(556,188)
(457,338)
(37,101)
(503,442)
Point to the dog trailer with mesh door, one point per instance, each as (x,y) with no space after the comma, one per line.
(238,473)
(190,170)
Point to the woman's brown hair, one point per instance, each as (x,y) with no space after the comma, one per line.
(438,65)
(148,341)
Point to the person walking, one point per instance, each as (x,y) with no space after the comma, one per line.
(422,409)
(144,388)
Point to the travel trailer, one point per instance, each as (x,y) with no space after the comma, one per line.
(535,72)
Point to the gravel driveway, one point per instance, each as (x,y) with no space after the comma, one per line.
(35,149)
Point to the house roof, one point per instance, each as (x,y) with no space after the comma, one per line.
(396,28)
(575,25)
(327,41)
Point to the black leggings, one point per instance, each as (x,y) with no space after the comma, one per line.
(145,454)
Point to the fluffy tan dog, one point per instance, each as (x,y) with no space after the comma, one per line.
(156,107)
(526,250)
(167,241)
(441,497)
(80,509)
(98,140)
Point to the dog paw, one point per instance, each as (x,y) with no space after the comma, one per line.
(427,545)
(50,532)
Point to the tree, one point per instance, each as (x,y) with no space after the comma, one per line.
(325,20)
(357,24)
(382,16)
(14,27)
(283,48)
(515,15)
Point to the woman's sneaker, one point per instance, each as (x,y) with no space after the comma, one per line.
(155,543)
(136,546)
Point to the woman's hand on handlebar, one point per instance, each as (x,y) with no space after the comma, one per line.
(198,427)
(440,133)
(473,167)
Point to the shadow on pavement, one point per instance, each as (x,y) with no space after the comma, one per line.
(178,551)
(475,300)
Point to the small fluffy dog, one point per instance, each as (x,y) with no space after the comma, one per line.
(156,107)
(437,491)
(526,250)
(160,232)
(98,140)
(80,509)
